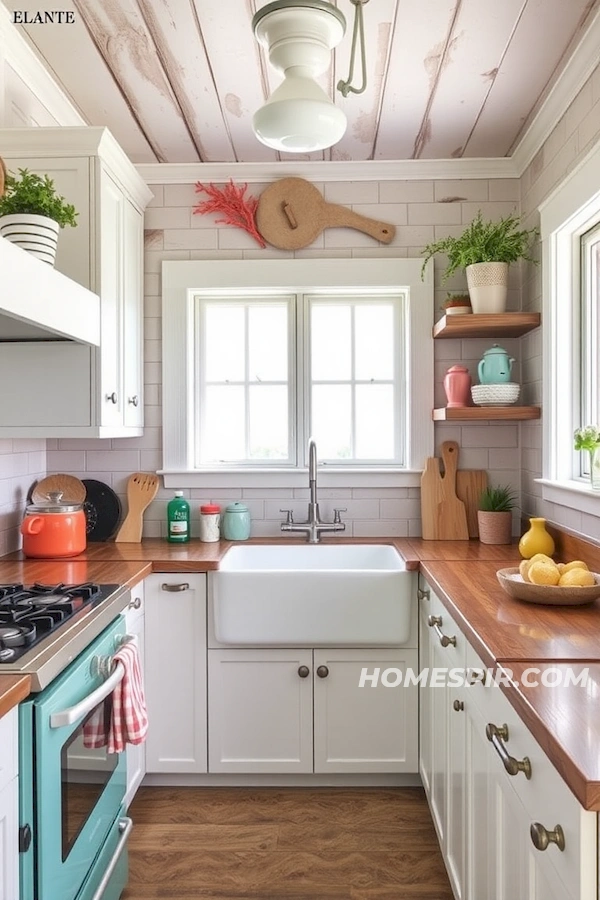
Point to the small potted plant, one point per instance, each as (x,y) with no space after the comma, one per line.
(588,438)
(494,516)
(31,213)
(456,303)
(485,250)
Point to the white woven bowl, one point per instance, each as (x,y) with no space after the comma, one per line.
(495,394)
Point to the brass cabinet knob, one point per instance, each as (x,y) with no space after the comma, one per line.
(458,706)
(135,603)
(497,735)
(133,400)
(112,398)
(303,671)
(422,594)
(445,640)
(322,671)
(542,838)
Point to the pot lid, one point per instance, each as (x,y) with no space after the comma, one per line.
(53,505)
(495,350)
(236,507)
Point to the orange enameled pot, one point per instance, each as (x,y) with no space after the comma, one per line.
(53,530)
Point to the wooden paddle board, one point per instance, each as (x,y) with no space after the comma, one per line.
(470,483)
(443,515)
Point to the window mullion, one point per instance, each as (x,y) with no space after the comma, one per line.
(247,380)
(353,379)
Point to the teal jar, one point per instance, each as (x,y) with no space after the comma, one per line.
(236,522)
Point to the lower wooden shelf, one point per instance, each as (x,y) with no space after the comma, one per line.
(482,413)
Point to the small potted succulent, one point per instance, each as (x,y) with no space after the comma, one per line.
(485,250)
(31,214)
(494,516)
(457,303)
(588,438)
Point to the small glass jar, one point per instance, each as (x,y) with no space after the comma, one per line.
(210,523)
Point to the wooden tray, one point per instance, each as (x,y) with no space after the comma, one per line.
(548,595)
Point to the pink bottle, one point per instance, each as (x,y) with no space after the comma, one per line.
(457,384)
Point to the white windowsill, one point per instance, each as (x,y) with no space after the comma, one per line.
(327,477)
(574,494)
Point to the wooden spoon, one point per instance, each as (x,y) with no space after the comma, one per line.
(291,213)
(142,488)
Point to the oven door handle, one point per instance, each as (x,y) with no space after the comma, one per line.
(85,706)
(125,826)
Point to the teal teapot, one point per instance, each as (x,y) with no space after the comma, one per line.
(495,367)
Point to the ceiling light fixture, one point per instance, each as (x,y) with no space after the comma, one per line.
(299,35)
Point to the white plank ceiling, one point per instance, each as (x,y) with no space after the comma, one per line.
(179,80)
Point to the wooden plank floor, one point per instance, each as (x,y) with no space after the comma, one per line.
(284,844)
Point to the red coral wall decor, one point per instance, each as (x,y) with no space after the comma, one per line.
(237,209)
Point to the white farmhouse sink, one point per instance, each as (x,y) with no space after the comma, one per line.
(329,595)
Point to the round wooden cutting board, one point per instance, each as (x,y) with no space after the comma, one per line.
(292,213)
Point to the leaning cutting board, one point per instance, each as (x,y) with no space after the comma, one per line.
(443,515)
(470,483)
(292,213)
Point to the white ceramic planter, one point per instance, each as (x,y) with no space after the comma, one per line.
(37,235)
(488,286)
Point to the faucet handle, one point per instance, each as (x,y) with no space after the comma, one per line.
(336,514)
(290,516)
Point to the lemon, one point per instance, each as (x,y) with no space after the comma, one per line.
(541,557)
(577,577)
(543,573)
(524,569)
(576,564)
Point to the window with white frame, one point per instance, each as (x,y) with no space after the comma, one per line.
(570,229)
(260,356)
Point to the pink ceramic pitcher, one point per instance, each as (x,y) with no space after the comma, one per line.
(457,384)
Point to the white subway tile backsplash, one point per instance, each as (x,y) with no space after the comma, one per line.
(113,460)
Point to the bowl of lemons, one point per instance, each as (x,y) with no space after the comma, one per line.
(541,580)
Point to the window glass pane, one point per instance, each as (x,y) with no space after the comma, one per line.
(374,337)
(330,342)
(224,343)
(268,343)
(223,425)
(374,421)
(331,420)
(268,422)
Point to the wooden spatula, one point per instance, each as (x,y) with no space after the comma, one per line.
(141,491)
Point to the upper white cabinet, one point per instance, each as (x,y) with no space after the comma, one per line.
(91,392)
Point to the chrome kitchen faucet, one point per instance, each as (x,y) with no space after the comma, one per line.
(313,525)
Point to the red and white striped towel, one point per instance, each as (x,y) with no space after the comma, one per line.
(128,723)
(129,720)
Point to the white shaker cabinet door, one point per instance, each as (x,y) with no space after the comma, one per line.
(260,711)
(425,723)
(365,729)
(134,625)
(175,671)
(9,841)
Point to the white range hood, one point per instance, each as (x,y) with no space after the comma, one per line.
(37,302)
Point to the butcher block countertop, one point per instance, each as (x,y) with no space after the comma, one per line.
(565,721)
(13,689)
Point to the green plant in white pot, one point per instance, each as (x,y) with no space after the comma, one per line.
(31,214)
(485,250)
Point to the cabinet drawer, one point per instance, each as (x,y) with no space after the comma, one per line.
(447,637)
(544,795)
(8,746)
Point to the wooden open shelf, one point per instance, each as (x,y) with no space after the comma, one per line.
(483,413)
(486,325)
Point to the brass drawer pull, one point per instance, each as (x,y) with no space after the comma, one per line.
(435,622)
(541,837)
(497,735)
(184,586)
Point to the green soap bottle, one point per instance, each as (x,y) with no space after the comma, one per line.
(178,519)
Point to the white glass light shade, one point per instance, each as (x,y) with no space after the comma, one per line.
(299,36)
(299,117)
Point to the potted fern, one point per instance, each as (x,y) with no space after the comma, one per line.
(31,214)
(494,516)
(485,250)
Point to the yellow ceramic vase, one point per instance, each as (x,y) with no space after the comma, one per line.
(536,540)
